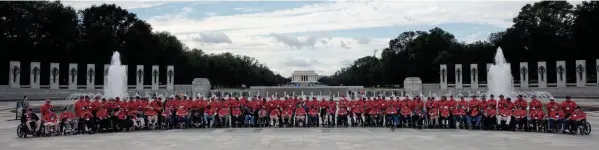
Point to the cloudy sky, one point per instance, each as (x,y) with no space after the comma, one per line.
(314,35)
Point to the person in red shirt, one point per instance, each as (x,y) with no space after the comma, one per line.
(50,119)
(459,116)
(237,117)
(87,123)
(462,103)
(433,117)
(331,108)
(342,115)
(552,104)
(373,116)
(406,116)
(504,119)
(262,116)
(224,117)
(555,117)
(474,102)
(451,103)
(535,104)
(67,120)
(45,108)
(182,115)
(568,106)
(357,111)
(520,119)
(492,102)
(300,116)
(537,119)
(103,118)
(575,120)
(520,102)
(489,118)
(274,117)
(152,116)
(313,117)
(120,120)
(445,117)
(474,115)
(209,116)
(132,116)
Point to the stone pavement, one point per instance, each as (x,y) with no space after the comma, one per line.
(305,139)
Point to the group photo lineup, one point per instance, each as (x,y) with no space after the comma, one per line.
(334,75)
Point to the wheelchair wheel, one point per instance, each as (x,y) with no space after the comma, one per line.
(21,131)
(585,128)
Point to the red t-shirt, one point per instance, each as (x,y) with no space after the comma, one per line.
(66,115)
(490,112)
(121,115)
(50,117)
(102,114)
(406,110)
(313,112)
(181,112)
(274,113)
(300,111)
(236,112)
(445,112)
(578,115)
(223,111)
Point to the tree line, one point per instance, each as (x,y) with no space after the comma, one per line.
(543,31)
(43,31)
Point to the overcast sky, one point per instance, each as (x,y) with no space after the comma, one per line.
(314,35)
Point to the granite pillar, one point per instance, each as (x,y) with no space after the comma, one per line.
(54,76)
(542,74)
(524,78)
(170,78)
(474,76)
(443,76)
(139,85)
(458,76)
(14,74)
(73,72)
(90,75)
(155,75)
(561,73)
(34,75)
(581,73)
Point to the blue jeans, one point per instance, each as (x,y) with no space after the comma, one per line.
(249,119)
(551,122)
(475,118)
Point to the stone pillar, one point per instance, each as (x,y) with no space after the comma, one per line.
(106,66)
(14,75)
(597,70)
(155,75)
(34,75)
(458,76)
(170,78)
(54,76)
(487,73)
(524,78)
(560,67)
(73,76)
(581,73)
(542,74)
(443,76)
(139,77)
(474,76)
(90,75)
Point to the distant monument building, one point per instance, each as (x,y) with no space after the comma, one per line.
(304,77)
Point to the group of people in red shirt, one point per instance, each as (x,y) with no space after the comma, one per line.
(181,112)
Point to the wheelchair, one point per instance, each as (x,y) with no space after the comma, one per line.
(584,128)
(23,132)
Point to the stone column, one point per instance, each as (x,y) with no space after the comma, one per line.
(560,67)
(106,66)
(14,75)
(139,77)
(474,76)
(458,76)
(443,76)
(34,75)
(155,75)
(542,74)
(170,78)
(73,72)
(54,76)
(90,74)
(524,78)
(487,73)
(581,73)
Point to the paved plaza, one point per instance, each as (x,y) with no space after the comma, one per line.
(299,138)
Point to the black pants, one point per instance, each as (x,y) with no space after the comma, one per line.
(522,123)
(418,120)
(445,121)
(489,122)
(572,125)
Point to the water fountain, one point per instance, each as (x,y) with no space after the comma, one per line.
(115,86)
(499,78)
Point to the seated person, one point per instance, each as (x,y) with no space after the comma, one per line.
(300,116)
(86,120)
(274,117)
(555,117)
(120,122)
(433,113)
(167,116)
(132,116)
(152,116)
(209,115)
(237,117)
(67,120)
(103,118)
(537,118)
(182,114)
(575,120)
(505,115)
(223,116)
(489,117)
(263,117)
(391,116)
(474,116)
(459,115)
(29,118)
(520,119)
(342,116)
(406,116)
(50,120)
(445,118)
(287,115)
(419,117)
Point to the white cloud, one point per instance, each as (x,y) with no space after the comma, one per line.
(213,38)
(130,4)
(264,35)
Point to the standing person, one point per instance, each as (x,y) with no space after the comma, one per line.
(568,106)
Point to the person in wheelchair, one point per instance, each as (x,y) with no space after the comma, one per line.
(237,117)
(459,116)
(537,119)
(224,116)
(504,118)
(300,116)
(489,118)
(50,120)
(391,118)
(555,117)
(433,117)
(182,115)
(342,117)
(67,120)
(263,117)
(287,115)
(103,119)
(445,117)
(133,118)
(209,116)
(576,119)
(520,119)
(152,116)
(475,116)
(28,118)
(120,121)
